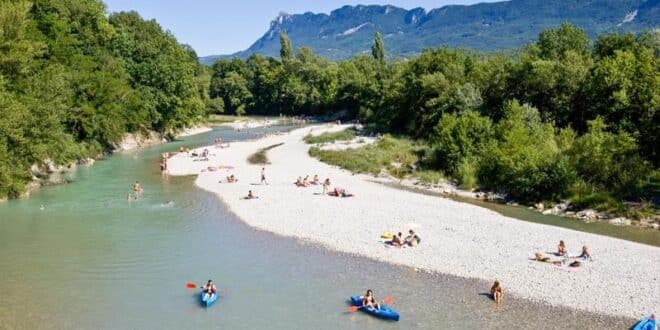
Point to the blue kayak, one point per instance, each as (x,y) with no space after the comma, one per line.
(383,312)
(646,323)
(208,301)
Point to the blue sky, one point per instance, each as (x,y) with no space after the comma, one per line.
(222,26)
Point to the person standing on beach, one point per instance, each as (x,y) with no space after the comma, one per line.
(263,176)
(326,185)
(497,292)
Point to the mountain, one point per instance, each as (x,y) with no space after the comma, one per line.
(349,30)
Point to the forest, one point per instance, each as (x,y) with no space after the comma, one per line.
(74,80)
(564,117)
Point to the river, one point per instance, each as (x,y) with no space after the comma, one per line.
(90,259)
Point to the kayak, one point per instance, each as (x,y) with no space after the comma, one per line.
(384,312)
(210,301)
(647,323)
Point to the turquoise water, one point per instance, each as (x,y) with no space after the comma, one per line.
(91,260)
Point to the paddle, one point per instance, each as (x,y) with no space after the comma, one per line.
(387,300)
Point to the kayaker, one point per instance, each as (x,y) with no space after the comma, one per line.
(209,288)
(368,300)
(497,292)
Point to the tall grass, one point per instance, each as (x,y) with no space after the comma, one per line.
(344,135)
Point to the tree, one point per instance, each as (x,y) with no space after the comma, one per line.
(286,50)
(378,49)
(553,43)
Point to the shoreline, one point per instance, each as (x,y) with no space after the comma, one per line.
(457,239)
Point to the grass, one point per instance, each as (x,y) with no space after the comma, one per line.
(259,157)
(394,155)
(345,135)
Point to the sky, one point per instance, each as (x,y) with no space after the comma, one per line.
(218,27)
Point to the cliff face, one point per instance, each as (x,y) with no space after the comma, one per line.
(349,30)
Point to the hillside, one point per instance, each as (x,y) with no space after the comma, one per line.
(349,30)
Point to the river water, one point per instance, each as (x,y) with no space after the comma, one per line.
(92,260)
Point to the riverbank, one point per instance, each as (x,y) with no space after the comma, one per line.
(457,238)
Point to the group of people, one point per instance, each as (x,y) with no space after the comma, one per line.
(411,240)
(300,182)
(566,256)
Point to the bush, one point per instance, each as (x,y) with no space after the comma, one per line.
(526,162)
(457,137)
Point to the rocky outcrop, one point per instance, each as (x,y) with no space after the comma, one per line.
(131,141)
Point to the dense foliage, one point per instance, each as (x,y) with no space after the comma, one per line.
(73,81)
(564,117)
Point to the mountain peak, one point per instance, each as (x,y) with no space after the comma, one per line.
(349,30)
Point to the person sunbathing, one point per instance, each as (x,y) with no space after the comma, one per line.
(250,195)
(584,256)
(539,257)
(561,249)
(316,180)
(305,181)
(396,240)
(231,179)
(299,182)
(412,239)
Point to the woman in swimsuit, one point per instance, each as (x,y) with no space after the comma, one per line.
(368,300)
(561,249)
(412,239)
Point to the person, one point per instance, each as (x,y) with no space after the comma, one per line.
(137,188)
(497,292)
(326,185)
(263,175)
(231,179)
(368,300)
(412,239)
(561,249)
(250,195)
(299,182)
(397,240)
(585,254)
(42,207)
(305,182)
(316,180)
(209,289)
(539,257)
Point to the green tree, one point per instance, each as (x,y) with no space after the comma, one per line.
(378,49)
(286,50)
